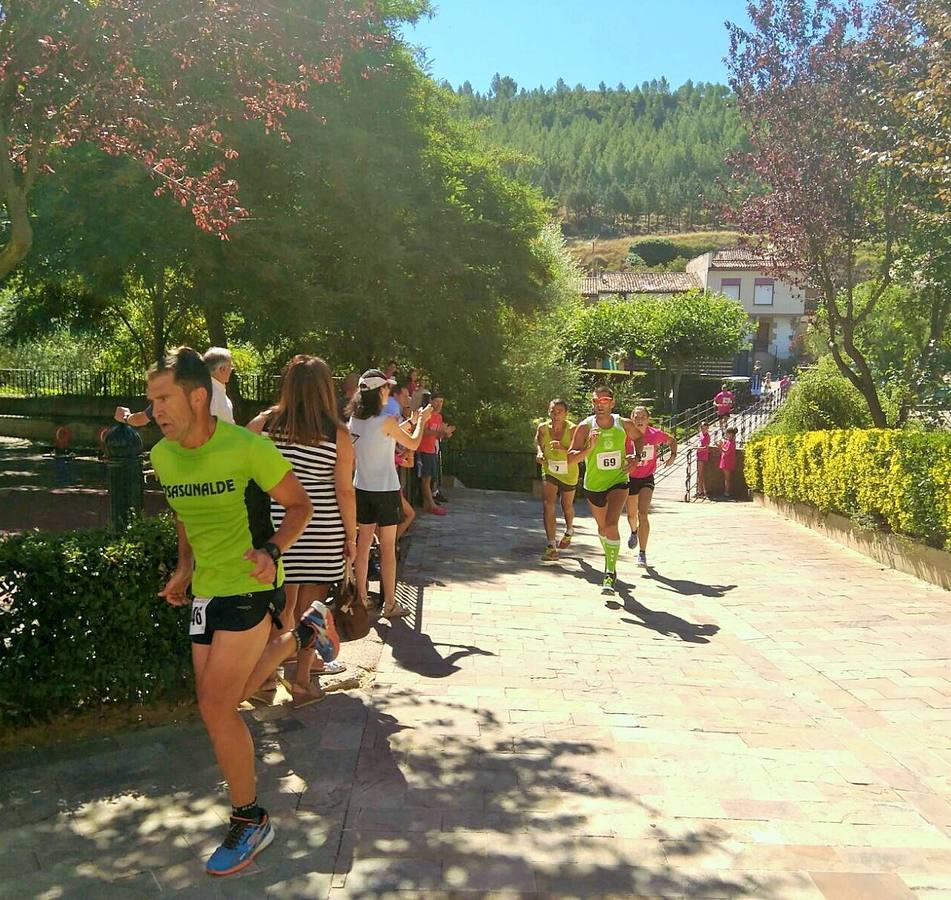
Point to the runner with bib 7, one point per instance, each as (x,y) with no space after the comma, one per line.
(560,477)
(600,442)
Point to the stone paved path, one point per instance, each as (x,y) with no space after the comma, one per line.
(764,714)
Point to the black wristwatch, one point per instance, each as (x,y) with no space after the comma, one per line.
(272,550)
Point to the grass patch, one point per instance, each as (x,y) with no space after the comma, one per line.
(613,251)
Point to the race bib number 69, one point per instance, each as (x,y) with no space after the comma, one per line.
(609,461)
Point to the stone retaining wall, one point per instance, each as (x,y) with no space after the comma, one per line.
(892,550)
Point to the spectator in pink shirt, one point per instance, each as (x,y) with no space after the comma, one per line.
(703,455)
(641,483)
(728,460)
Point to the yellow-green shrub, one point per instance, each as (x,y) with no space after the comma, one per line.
(899,480)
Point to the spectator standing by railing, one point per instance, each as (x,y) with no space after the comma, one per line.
(723,402)
(703,456)
(756,382)
(728,461)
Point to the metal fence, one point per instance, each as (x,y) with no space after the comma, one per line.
(58,383)
(28,383)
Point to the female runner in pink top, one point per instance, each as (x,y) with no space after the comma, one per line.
(641,484)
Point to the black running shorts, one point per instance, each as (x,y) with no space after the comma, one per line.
(635,484)
(600,498)
(238,612)
(379,507)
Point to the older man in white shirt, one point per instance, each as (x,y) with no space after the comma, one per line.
(221,365)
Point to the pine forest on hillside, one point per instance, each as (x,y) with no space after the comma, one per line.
(619,159)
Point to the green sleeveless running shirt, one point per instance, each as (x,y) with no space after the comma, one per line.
(556,461)
(605,466)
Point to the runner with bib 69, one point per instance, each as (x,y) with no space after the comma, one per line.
(599,442)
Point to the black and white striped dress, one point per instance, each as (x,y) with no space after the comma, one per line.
(317,555)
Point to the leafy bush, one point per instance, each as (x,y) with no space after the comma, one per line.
(81,625)
(654,251)
(821,398)
(899,479)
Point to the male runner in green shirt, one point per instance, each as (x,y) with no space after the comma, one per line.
(601,442)
(205,466)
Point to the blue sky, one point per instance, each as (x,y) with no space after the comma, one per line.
(538,41)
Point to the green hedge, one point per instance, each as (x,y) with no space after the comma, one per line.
(81,625)
(654,251)
(897,480)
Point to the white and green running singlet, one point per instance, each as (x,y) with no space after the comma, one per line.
(606,463)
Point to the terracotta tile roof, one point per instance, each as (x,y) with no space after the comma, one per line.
(741,258)
(639,283)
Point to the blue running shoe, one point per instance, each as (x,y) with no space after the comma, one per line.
(317,631)
(245,840)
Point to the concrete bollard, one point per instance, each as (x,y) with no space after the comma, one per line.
(123,457)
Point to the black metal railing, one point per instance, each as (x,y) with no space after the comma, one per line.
(258,386)
(69,382)
(28,383)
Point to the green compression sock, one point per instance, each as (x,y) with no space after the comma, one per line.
(611,551)
(604,545)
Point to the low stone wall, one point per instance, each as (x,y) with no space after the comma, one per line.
(892,550)
(37,418)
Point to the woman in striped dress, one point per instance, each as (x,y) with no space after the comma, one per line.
(304,426)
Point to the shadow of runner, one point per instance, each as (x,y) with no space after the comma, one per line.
(689,588)
(415,651)
(664,623)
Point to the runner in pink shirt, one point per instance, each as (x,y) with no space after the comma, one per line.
(641,483)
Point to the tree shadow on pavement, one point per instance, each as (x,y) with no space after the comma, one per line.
(396,794)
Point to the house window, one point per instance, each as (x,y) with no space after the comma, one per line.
(730,287)
(763,292)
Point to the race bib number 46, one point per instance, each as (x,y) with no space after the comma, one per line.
(558,466)
(609,461)
(199,615)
